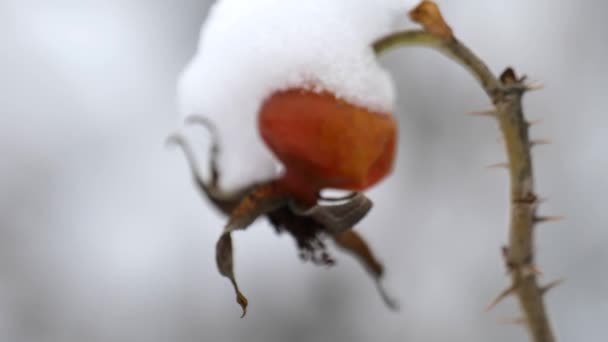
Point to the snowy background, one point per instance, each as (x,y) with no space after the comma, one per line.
(103,237)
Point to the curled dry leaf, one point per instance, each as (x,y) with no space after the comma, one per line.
(225,266)
(260,201)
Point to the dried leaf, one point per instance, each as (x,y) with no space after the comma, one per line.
(225,265)
(429,16)
(263,199)
(352,242)
(340,217)
(225,202)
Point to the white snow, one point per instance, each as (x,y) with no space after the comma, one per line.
(249,49)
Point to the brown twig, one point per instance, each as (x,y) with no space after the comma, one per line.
(506,94)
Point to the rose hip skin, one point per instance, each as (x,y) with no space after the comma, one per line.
(325,142)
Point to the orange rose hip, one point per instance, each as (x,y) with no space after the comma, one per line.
(326,142)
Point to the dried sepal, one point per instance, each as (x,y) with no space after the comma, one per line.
(307,226)
(262,200)
(354,244)
(225,265)
(215,146)
(340,217)
(225,202)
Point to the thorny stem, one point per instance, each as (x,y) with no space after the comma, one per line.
(506,94)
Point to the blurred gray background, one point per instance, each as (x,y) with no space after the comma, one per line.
(104,238)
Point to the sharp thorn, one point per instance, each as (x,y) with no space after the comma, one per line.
(505,251)
(534,85)
(551,285)
(537,142)
(498,166)
(542,219)
(529,270)
(504,294)
(488,113)
(534,122)
(515,321)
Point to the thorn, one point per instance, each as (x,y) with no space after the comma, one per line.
(505,251)
(534,85)
(551,285)
(542,219)
(535,270)
(498,166)
(504,294)
(529,270)
(534,122)
(537,142)
(515,321)
(488,113)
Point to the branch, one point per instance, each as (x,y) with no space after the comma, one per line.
(506,94)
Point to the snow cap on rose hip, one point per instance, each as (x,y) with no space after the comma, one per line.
(250,51)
